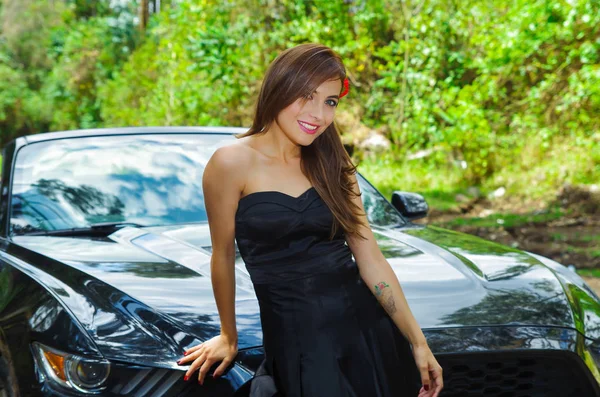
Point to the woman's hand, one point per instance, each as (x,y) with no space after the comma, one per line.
(206,354)
(431,372)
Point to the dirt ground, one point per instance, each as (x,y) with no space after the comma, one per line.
(572,239)
(594,283)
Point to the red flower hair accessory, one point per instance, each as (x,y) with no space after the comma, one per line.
(346,88)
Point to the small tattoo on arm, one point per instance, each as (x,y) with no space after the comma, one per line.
(390,305)
(387,302)
(379,288)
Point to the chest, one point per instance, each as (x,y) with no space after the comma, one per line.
(276,177)
(272,215)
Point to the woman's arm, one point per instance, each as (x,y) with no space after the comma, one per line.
(381,279)
(222,184)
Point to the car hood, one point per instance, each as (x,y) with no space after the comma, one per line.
(146,290)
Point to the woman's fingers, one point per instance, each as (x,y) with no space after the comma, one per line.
(430,371)
(437,380)
(191,356)
(204,369)
(205,355)
(221,368)
(195,365)
(192,349)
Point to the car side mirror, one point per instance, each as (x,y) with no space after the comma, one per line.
(411,205)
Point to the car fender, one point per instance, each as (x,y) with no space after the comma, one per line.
(28,312)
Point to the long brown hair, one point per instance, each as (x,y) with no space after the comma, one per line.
(295,73)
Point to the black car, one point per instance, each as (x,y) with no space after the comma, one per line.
(104,279)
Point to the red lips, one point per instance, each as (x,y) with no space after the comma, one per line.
(308,131)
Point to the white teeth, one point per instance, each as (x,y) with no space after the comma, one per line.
(308,126)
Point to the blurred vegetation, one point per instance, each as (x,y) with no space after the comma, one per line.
(491,92)
(589,272)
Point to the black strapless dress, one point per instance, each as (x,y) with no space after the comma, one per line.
(324,332)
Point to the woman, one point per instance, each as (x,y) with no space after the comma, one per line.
(286,191)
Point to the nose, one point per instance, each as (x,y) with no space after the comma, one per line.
(317,112)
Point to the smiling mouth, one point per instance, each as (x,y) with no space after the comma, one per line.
(307,127)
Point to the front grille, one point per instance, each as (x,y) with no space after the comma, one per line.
(159,382)
(516,374)
(149,382)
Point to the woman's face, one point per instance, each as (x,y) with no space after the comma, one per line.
(305,119)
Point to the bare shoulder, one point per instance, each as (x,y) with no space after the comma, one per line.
(235,155)
(230,164)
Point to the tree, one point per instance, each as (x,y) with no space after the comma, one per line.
(144,15)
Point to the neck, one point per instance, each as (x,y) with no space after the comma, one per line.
(276,144)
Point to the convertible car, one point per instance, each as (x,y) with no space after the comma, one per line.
(105,279)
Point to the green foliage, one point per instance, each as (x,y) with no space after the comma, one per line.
(54,56)
(507,220)
(21,108)
(27,31)
(87,58)
(216,55)
(493,88)
(196,71)
(589,272)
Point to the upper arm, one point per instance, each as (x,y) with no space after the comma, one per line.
(222,183)
(365,250)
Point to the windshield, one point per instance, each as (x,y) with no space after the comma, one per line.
(149,179)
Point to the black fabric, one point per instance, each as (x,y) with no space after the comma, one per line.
(324,332)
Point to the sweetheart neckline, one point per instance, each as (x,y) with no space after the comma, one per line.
(278,192)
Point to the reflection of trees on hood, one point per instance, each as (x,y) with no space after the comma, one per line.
(470,244)
(150,270)
(585,310)
(544,305)
(87,199)
(16,292)
(8,288)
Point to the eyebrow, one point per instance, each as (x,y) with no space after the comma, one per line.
(330,96)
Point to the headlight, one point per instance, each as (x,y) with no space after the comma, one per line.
(71,371)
